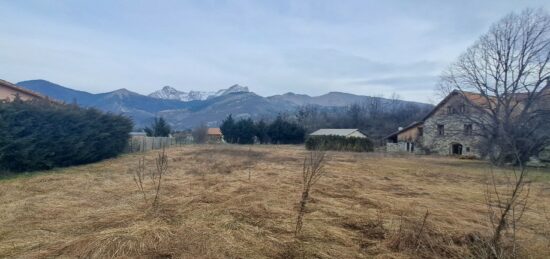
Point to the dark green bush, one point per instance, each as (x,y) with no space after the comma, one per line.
(38,135)
(281,131)
(339,143)
(244,131)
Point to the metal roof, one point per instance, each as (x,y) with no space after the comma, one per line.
(335,132)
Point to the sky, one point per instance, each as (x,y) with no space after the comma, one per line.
(305,46)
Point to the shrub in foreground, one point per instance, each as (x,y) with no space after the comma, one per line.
(38,135)
(339,143)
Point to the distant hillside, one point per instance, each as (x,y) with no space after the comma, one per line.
(333,99)
(212,109)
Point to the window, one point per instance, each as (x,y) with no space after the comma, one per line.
(420,131)
(463,108)
(450,110)
(440,129)
(467,129)
(467,149)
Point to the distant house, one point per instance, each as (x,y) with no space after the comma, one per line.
(9,91)
(446,130)
(339,132)
(214,135)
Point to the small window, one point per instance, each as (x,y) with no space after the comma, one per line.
(440,129)
(467,149)
(450,110)
(463,108)
(467,129)
(420,131)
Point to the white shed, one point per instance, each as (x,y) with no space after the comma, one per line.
(339,132)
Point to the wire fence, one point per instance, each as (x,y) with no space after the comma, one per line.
(143,143)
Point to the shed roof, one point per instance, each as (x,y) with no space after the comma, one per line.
(408,127)
(214,131)
(335,132)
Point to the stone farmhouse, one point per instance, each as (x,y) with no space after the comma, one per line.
(446,130)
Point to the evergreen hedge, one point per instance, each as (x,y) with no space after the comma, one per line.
(38,135)
(339,143)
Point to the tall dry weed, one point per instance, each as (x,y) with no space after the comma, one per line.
(313,169)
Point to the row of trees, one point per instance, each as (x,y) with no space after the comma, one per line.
(375,116)
(38,134)
(246,131)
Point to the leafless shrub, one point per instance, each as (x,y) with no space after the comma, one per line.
(200,134)
(312,171)
(139,176)
(161,162)
(140,173)
(506,205)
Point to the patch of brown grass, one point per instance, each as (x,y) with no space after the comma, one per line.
(367,205)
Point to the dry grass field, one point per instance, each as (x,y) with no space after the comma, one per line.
(367,205)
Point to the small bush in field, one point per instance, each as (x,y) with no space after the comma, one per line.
(339,143)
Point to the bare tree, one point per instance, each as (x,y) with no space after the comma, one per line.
(139,176)
(140,173)
(161,162)
(504,78)
(200,134)
(508,70)
(313,169)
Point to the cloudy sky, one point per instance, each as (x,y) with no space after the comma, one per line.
(312,47)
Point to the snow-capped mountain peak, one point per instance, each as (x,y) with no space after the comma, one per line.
(171,93)
(232,89)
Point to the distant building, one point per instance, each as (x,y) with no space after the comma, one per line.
(447,130)
(9,91)
(138,134)
(214,135)
(339,132)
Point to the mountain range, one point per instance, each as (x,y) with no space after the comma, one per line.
(184,110)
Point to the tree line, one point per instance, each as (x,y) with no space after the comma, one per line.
(39,134)
(246,131)
(375,116)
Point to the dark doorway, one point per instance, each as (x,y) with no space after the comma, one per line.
(456,149)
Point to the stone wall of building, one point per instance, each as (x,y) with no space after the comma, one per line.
(401,147)
(454,133)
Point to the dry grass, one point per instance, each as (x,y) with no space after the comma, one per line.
(367,205)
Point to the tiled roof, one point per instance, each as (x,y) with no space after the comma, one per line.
(214,131)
